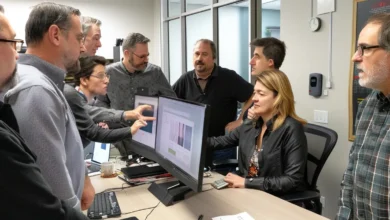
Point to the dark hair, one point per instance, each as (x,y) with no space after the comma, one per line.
(212,45)
(132,39)
(87,64)
(273,48)
(43,16)
(1,9)
(384,32)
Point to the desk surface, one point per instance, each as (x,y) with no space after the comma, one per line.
(212,203)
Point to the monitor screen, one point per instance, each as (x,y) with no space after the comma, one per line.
(147,135)
(101,152)
(180,132)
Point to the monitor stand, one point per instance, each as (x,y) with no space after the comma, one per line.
(169,192)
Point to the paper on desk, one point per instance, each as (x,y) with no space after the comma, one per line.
(240,216)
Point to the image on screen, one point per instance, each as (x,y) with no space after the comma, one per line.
(147,135)
(150,113)
(180,134)
(101,152)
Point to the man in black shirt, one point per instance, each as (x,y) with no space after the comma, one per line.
(24,192)
(219,87)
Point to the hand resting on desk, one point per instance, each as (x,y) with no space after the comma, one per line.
(234,180)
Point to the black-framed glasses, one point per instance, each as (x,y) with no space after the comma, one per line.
(141,57)
(360,49)
(16,43)
(101,76)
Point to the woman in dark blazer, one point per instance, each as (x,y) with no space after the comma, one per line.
(272,149)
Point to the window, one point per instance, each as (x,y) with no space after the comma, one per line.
(198,26)
(234,50)
(174,51)
(226,22)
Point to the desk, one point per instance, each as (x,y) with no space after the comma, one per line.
(212,203)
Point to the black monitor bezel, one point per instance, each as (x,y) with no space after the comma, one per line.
(181,175)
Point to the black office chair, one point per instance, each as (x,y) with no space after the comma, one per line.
(321,141)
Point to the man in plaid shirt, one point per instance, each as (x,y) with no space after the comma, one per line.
(365,186)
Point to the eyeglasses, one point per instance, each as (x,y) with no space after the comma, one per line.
(141,57)
(101,76)
(360,49)
(16,43)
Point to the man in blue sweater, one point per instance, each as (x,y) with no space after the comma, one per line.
(21,190)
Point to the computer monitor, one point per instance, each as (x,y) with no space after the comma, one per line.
(181,144)
(101,152)
(147,135)
(144,141)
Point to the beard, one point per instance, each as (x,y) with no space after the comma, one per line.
(138,67)
(73,68)
(376,75)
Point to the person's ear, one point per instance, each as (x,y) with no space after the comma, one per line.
(271,63)
(84,81)
(54,34)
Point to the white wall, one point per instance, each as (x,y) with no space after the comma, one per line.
(307,52)
(119,17)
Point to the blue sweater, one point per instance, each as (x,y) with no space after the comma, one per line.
(48,126)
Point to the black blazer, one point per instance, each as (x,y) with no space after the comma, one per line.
(282,158)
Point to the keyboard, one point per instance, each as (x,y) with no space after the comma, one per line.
(93,168)
(219,184)
(105,205)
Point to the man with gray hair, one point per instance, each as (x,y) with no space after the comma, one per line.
(133,75)
(54,41)
(22,189)
(92,34)
(365,186)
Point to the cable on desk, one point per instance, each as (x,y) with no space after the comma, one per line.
(126,213)
(152,210)
(121,188)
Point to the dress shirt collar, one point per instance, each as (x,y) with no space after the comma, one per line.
(56,74)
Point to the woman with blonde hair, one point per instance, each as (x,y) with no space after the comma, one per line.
(273,149)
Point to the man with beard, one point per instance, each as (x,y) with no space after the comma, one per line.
(218,87)
(134,75)
(54,40)
(365,185)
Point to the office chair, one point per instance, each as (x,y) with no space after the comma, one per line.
(321,142)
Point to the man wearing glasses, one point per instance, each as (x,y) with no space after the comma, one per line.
(133,75)
(365,185)
(22,189)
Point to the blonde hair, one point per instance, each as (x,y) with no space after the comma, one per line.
(277,81)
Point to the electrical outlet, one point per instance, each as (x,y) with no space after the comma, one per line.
(322,200)
(321,116)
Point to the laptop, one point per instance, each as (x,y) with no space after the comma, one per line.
(101,153)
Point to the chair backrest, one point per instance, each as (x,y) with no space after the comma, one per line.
(320,142)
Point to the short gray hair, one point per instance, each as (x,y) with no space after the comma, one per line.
(132,39)
(87,23)
(384,32)
(46,14)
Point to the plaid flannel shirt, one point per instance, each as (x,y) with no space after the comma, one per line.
(365,186)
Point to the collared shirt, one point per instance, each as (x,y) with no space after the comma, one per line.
(124,86)
(365,185)
(48,127)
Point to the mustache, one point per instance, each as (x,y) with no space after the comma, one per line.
(199,62)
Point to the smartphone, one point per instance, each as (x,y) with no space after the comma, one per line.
(130,218)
